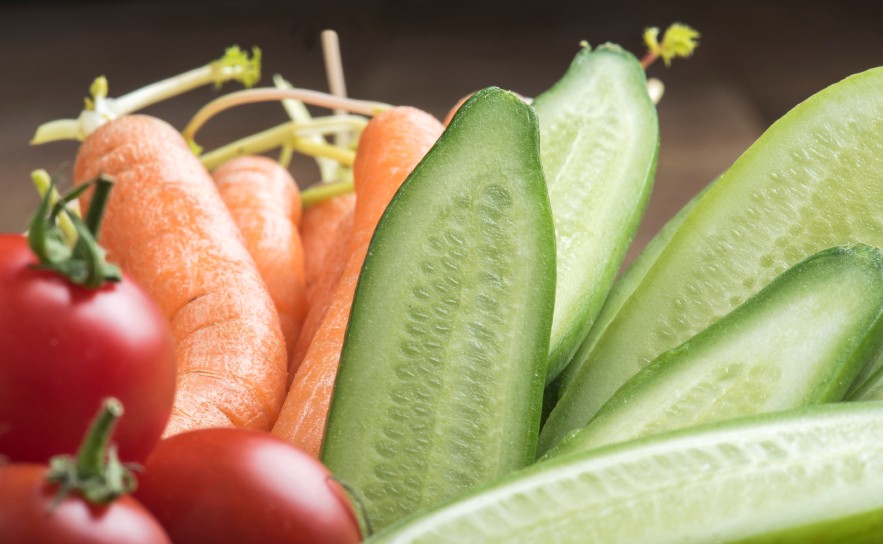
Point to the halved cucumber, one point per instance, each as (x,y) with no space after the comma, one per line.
(625,286)
(800,341)
(442,371)
(599,137)
(808,475)
(812,181)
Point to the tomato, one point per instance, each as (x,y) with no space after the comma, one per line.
(64,347)
(235,485)
(27,514)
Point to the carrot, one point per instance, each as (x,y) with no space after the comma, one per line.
(389,148)
(168,228)
(265,204)
(319,234)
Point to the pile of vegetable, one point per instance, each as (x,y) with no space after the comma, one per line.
(431,344)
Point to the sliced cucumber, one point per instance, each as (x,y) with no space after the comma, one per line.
(809,475)
(801,340)
(599,137)
(625,286)
(812,181)
(442,371)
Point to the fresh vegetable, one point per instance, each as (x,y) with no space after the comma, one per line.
(599,137)
(169,228)
(624,286)
(809,475)
(321,296)
(812,181)
(235,485)
(74,331)
(389,148)
(319,234)
(801,340)
(265,204)
(76,501)
(441,376)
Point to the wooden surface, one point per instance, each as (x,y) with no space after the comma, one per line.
(756,61)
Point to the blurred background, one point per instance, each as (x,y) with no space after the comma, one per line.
(756,61)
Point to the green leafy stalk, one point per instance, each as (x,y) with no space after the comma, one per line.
(235,65)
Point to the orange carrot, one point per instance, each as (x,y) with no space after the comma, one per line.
(389,148)
(167,227)
(319,298)
(265,204)
(318,233)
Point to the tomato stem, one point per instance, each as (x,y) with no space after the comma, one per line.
(95,214)
(96,473)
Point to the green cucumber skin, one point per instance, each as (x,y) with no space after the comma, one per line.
(807,475)
(844,282)
(812,181)
(443,366)
(626,285)
(599,140)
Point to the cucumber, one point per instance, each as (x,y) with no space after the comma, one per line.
(442,371)
(808,475)
(599,137)
(625,286)
(801,340)
(812,181)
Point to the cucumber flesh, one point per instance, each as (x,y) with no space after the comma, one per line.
(599,137)
(443,366)
(808,475)
(625,286)
(800,341)
(812,181)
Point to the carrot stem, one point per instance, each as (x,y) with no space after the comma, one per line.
(297,110)
(293,134)
(325,191)
(251,96)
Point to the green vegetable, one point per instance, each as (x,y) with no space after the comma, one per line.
(809,475)
(812,181)
(599,137)
(800,341)
(625,286)
(442,371)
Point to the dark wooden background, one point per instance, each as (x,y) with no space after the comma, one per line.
(756,61)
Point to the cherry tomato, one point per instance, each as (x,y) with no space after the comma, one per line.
(64,347)
(28,514)
(235,485)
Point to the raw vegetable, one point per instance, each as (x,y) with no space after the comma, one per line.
(599,137)
(800,341)
(812,181)
(265,204)
(389,148)
(237,486)
(74,330)
(442,371)
(810,475)
(624,286)
(168,227)
(76,501)
(319,234)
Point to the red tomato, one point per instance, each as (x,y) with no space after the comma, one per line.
(63,348)
(235,485)
(27,514)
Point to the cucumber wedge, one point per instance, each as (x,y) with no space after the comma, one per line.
(442,371)
(801,340)
(599,137)
(809,475)
(814,180)
(625,286)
